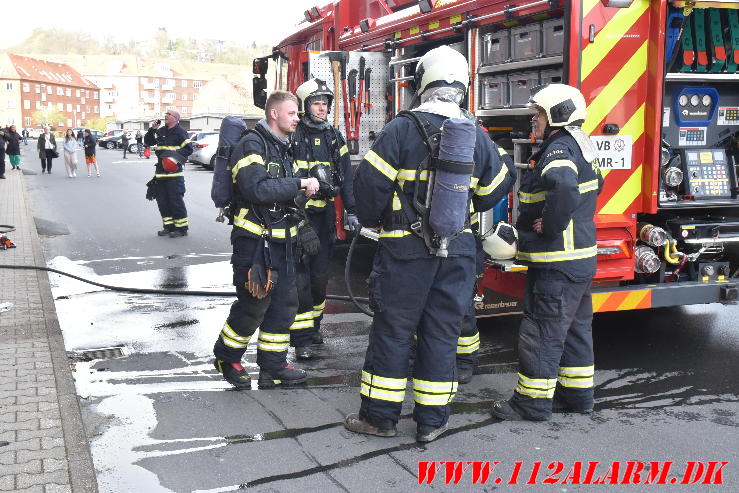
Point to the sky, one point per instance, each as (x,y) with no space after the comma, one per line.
(263,21)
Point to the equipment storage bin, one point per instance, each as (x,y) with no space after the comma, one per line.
(526,42)
(520,85)
(496,47)
(553,76)
(493,92)
(553,36)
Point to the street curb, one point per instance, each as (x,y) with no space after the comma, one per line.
(81,468)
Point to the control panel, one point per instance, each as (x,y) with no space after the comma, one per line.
(707,173)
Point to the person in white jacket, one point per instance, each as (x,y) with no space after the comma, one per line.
(70,153)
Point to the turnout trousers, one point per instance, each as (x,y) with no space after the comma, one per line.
(272,315)
(312,279)
(171,202)
(555,344)
(427,297)
(469,339)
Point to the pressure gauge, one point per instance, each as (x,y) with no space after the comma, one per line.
(706,100)
(695,99)
(683,100)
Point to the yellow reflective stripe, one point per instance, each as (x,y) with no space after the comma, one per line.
(577,371)
(313,163)
(320,306)
(493,184)
(575,254)
(473,182)
(532,198)
(387,382)
(410,175)
(559,163)
(568,236)
(167,220)
(589,186)
(255,228)
(231,343)
(300,164)
(318,309)
(436,387)
(275,348)
(381,165)
(302,324)
(536,394)
(577,383)
(502,151)
(304,316)
(396,202)
(181,222)
(173,148)
(433,399)
(227,330)
(380,394)
(169,175)
(396,233)
(267,336)
(468,345)
(246,161)
(537,383)
(315,203)
(343,150)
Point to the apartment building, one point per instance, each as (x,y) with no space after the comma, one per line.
(30,84)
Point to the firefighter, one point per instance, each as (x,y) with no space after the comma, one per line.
(173,147)
(412,289)
(320,152)
(557,243)
(264,239)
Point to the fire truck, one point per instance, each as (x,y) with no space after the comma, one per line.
(662,84)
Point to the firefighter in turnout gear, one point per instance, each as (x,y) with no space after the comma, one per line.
(557,243)
(265,238)
(320,152)
(173,147)
(414,289)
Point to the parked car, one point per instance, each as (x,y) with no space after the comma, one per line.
(204,151)
(112,133)
(114,142)
(35,133)
(199,135)
(96,133)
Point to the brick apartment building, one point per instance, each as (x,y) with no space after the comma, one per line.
(30,84)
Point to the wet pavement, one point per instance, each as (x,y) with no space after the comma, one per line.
(159,418)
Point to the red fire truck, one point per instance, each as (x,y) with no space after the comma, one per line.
(662,86)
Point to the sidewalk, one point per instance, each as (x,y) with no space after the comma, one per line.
(43,447)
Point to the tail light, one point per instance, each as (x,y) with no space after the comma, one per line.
(200,146)
(614,249)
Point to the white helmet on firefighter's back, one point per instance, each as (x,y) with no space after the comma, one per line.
(563,104)
(312,88)
(442,66)
(501,244)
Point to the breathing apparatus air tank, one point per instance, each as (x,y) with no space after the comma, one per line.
(449,209)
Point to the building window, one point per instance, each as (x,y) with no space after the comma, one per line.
(87,108)
(60,106)
(43,97)
(82,101)
(172,108)
(60,91)
(69,122)
(97,95)
(38,105)
(78,108)
(196,84)
(49,90)
(26,104)
(97,110)
(77,93)
(27,121)
(9,86)
(68,91)
(83,116)
(87,94)
(184,83)
(38,88)
(26,87)
(69,106)
(184,97)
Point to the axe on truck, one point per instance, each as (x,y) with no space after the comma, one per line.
(338,68)
(351,136)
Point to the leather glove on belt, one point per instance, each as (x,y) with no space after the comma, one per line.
(261,279)
(308,238)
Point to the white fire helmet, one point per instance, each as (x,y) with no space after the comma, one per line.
(442,66)
(563,104)
(502,243)
(311,88)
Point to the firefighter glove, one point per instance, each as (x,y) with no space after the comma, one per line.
(308,238)
(353,223)
(261,281)
(151,189)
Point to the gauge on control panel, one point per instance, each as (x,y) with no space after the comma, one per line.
(706,100)
(695,99)
(683,100)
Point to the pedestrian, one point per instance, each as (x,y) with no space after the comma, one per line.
(321,152)
(264,239)
(173,147)
(46,147)
(25,136)
(139,143)
(70,153)
(14,146)
(2,153)
(414,287)
(90,157)
(557,243)
(80,137)
(124,142)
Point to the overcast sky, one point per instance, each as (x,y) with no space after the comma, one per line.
(263,21)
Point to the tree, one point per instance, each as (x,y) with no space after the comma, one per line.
(49,116)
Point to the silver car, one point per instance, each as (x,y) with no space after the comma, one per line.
(204,150)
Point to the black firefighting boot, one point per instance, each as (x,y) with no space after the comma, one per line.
(163,232)
(317,337)
(303,352)
(234,374)
(428,433)
(287,377)
(353,422)
(559,405)
(505,410)
(464,374)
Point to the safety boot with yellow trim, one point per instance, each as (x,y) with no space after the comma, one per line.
(287,377)
(353,422)
(234,374)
